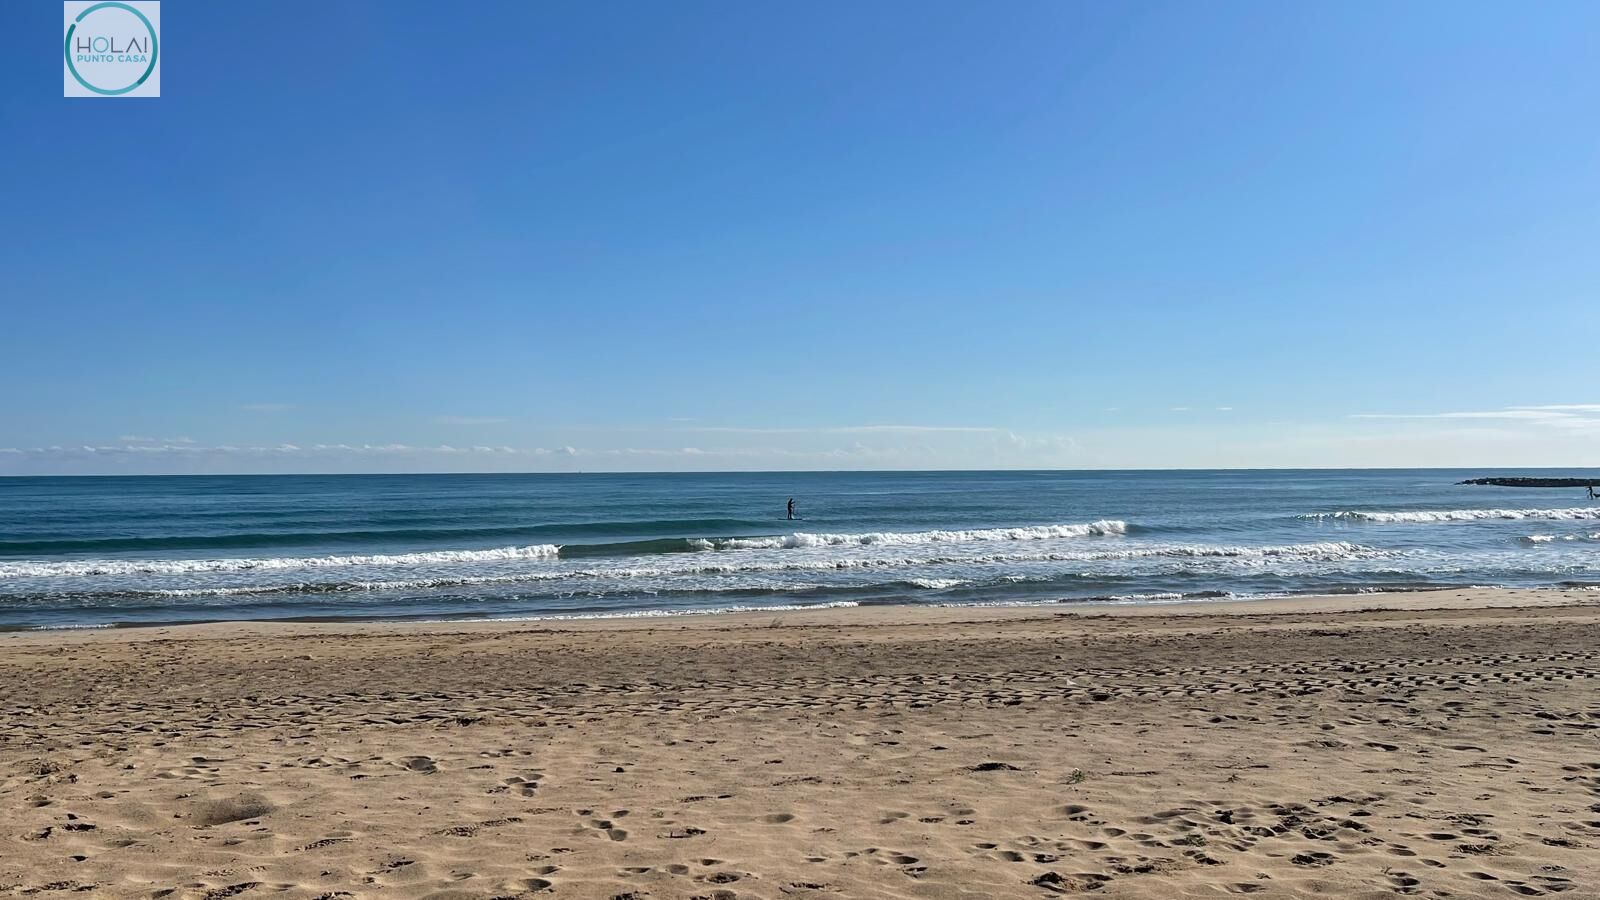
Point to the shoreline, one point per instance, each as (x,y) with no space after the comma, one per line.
(889,614)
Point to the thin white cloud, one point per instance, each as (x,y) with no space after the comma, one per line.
(914,429)
(850,429)
(1572,417)
(328,451)
(1526,414)
(266,407)
(234,450)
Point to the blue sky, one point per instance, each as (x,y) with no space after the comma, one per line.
(528,236)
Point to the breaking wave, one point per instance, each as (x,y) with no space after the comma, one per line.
(798,540)
(936,584)
(198,566)
(1102,528)
(1550,538)
(568,579)
(1460,515)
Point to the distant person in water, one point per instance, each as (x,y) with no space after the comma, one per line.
(791,503)
(1591,497)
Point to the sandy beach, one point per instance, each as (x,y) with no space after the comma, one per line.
(1441,744)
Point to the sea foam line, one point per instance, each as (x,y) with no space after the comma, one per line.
(800,539)
(1460,515)
(1548,538)
(197,566)
(666,613)
(755,565)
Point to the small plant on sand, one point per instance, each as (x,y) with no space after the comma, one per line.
(1194,840)
(1077,776)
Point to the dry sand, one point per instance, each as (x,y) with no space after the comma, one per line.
(1438,745)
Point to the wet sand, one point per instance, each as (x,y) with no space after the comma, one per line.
(1437,744)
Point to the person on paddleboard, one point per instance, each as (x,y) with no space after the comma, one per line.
(791,507)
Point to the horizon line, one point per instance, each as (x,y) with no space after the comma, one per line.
(793,471)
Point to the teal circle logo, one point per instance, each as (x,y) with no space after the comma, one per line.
(123,51)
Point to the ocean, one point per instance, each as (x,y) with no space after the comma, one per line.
(96,552)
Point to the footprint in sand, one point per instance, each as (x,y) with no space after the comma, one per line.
(525,785)
(423,765)
(1554,884)
(1057,883)
(890,857)
(609,829)
(1403,882)
(221,811)
(467,831)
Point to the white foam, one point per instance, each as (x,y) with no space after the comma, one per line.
(666,613)
(1548,538)
(776,563)
(1321,550)
(936,584)
(1461,515)
(196,566)
(800,539)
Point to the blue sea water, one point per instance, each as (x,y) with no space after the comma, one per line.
(144,550)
